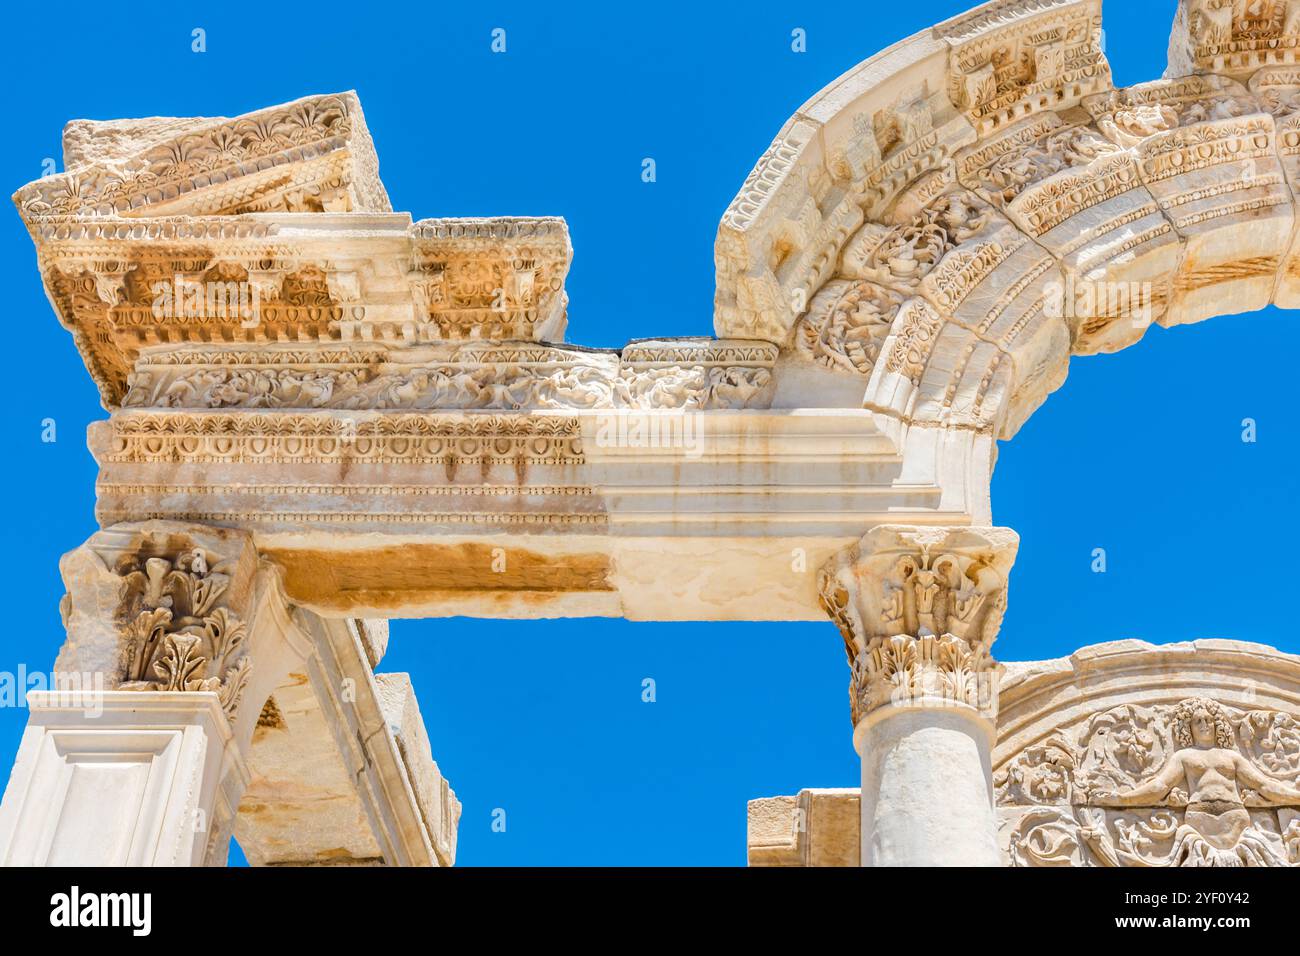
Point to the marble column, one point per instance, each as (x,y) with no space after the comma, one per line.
(919,609)
(176,635)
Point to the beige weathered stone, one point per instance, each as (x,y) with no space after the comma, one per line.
(919,609)
(322,412)
(341,770)
(1107,210)
(816,828)
(1100,761)
(176,636)
(314,154)
(439,808)
(1127,754)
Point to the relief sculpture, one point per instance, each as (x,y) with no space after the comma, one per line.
(1190,784)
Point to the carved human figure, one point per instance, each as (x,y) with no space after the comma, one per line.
(926,584)
(1207,774)
(1147,119)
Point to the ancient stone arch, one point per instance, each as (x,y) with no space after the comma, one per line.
(323,414)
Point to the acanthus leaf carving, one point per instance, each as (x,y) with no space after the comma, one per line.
(178,632)
(919,610)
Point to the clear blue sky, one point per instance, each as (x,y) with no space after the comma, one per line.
(1140,453)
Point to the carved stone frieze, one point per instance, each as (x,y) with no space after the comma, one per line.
(846,325)
(903,255)
(1188,784)
(907,269)
(1233,37)
(1128,754)
(1206,149)
(491,278)
(511,377)
(1002,168)
(1160,203)
(719,375)
(505,378)
(313,154)
(347,279)
(306,437)
(1018,57)
(950,291)
(983,175)
(1080,196)
(387,407)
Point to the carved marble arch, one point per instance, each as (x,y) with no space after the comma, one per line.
(381,418)
(902,280)
(958,216)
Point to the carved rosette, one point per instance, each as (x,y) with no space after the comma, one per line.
(1192,783)
(919,609)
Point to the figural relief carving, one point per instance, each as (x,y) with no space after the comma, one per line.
(894,295)
(1195,783)
(505,377)
(919,610)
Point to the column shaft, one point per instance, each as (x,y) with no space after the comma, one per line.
(119,778)
(176,635)
(919,609)
(927,794)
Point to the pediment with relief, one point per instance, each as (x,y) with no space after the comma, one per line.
(1197,781)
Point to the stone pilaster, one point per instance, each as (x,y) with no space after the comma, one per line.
(176,636)
(919,609)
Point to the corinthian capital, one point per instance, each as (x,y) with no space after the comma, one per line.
(919,609)
(161,606)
